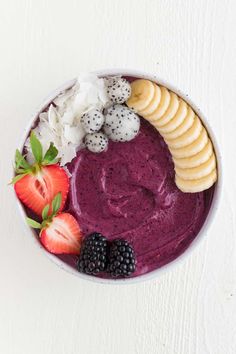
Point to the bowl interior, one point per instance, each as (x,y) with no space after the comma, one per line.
(214,204)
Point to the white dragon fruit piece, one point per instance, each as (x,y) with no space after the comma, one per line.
(92,121)
(121,124)
(96,142)
(118,89)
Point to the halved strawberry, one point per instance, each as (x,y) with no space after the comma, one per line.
(60,234)
(38,189)
(36,185)
(63,235)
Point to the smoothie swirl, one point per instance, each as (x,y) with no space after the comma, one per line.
(129,192)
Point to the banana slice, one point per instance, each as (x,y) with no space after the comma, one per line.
(188,137)
(170,112)
(162,107)
(196,160)
(176,121)
(192,149)
(142,93)
(197,172)
(197,185)
(187,124)
(182,130)
(154,102)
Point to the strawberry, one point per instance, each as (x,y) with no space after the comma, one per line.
(36,185)
(60,233)
(37,189)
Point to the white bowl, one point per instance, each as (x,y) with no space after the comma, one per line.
(210,217)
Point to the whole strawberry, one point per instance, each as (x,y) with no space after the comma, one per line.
(36,185)
(60,233)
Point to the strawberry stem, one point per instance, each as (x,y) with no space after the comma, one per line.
(34,224)
(36,147)
(22,167)
(47,219)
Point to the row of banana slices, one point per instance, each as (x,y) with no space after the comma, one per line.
(183,132)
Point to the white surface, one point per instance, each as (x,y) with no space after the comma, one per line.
(190,310)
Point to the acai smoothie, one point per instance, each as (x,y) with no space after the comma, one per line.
(129,192)
(118,176)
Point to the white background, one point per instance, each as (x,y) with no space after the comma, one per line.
(192,309)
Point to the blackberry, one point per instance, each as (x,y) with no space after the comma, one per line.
(93,254)
(121,259)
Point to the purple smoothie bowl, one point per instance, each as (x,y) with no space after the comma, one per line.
(152,263)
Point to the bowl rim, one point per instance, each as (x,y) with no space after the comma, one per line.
(216,196)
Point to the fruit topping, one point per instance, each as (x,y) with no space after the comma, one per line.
(168,115)
(188,137)
(154,102)
(121,123)
(92,121)
(183,132)
(175,122)
(93,255)
(118,89)
(189,151)
(142,94)
(197,159)
(37,184)
(121,259)
(60,234)
(199,171)
(96,142)
(182,128)
(196,185)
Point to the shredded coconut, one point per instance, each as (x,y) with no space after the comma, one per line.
(61,123)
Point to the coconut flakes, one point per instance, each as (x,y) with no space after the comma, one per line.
(61,126)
